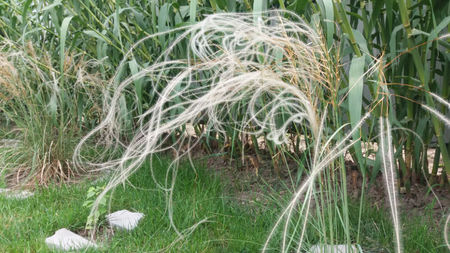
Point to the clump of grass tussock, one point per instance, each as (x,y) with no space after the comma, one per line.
(46,111)
(267,66)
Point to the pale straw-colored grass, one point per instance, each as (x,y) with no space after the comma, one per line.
(390,178)
(435,112)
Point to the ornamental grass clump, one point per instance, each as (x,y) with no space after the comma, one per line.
(46,111)
(260,74)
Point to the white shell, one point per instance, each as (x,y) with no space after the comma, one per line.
(124,219)
(66,240)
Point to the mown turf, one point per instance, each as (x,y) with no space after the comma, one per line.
(26,223)
(233,226)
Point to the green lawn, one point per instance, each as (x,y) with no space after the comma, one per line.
(233,226)
(26,223)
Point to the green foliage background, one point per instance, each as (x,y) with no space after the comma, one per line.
(404,34)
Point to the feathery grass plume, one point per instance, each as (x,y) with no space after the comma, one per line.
(390,178)
(439,115)
(322,157)
(272,67)
(446,231)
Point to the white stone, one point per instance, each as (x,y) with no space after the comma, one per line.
(10,194)
(341,248)
(124,219)
(66,240)
(20,194)
(2,190)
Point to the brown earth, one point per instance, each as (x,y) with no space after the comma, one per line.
(249,178)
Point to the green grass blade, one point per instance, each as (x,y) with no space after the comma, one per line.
(163,19)
(96,35)
(393,42)
(356,78)
(213,5)
(53,5)
(138,83)
(361,41)
(432,36)
(192,10)
(259,6)
(63,35)
(26,7)
(326,7)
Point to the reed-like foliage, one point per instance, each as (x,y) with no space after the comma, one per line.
(353,29)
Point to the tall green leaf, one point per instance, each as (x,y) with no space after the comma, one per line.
(356,82)
(62,44)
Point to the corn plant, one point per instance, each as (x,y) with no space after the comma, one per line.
(409,46)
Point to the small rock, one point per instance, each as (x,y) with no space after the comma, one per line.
(341,248)
(66,240)
(10,194)
(21,195)
(2,190)
(124,219)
